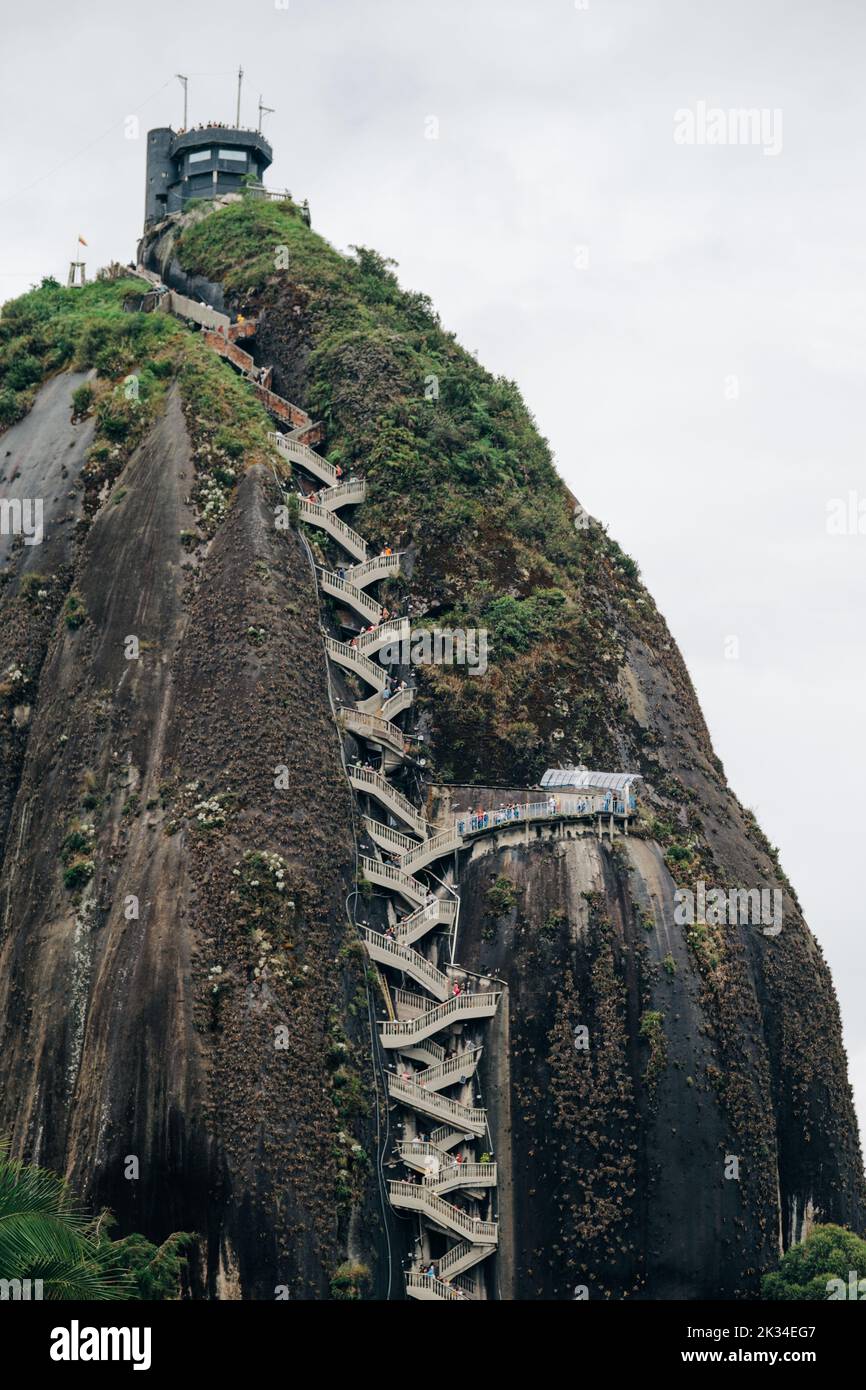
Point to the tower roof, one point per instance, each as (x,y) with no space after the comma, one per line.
(233,137)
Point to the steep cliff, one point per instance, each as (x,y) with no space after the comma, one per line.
(176,984)
(154,1036)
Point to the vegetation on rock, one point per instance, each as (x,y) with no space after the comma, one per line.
(820,1267)
(456,469)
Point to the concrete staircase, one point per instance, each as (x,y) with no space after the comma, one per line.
(389,952)
(438,913)
(427,1024)
(392,879)
(347,494)
(471,1119)
(355,598)
(416,1196)
(425,1067)
(373,727)
(352,660)
(427,1287)
(305,457)
(371,783)
(317,515)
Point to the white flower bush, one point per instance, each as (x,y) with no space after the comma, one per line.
(210,813)
(271,867)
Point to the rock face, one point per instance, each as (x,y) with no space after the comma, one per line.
(140,1018)
(669,1103)
(618,1154)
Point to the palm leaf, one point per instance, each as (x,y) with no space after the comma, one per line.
(45,1235)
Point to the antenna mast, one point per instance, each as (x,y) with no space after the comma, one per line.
(240,80)
(185,80)
(264,111)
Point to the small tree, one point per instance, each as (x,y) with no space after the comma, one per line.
(819,1267)
(154,1271)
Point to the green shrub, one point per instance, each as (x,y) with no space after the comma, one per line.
(82,401)
(624,562)
(226,440)
(32,584)
(23,371)
(12,407)
(116,419)
(152,1271)
(652,1031)
(678,853)
(73,845)
(501,897)
(76,874)
(74,611)
(162,367)
(553,922)
(348,1091)
(350,1281)
(819,1267)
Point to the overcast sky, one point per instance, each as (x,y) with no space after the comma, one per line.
(685,320)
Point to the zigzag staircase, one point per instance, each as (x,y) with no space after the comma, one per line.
(430,1036)
(429,1039)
